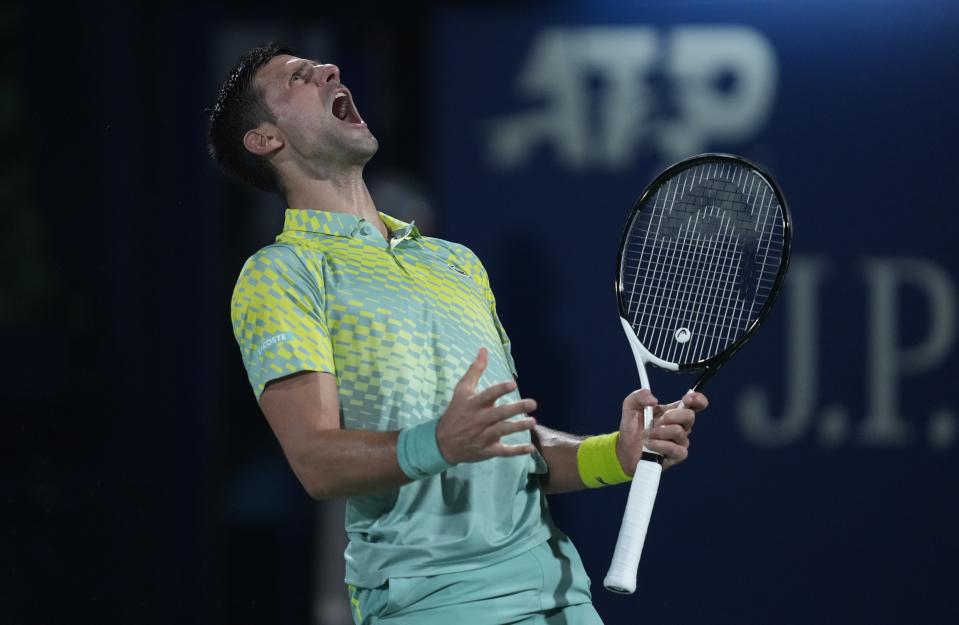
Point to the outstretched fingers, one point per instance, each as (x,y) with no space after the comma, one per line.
(522,449)
(475,371)
(489,395)
(471,428)
(505,428)
(505,411)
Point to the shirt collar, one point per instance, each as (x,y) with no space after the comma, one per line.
(343,224)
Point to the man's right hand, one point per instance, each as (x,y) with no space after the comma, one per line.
(471,428)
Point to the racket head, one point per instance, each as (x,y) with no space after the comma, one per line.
(702,259)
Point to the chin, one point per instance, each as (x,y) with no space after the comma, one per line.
(364,150)
(372,144)
(349,150)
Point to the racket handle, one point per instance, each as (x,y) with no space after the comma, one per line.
(621,577)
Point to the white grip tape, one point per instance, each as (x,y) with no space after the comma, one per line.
(621,577)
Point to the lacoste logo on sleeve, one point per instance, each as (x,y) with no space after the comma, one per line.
(273,340)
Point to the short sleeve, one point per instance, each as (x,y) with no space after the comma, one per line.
(279,317)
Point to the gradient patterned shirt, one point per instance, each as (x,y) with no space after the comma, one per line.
(398,323)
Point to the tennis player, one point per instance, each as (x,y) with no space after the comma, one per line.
(379,361)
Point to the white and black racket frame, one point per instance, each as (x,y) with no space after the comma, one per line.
(621,577)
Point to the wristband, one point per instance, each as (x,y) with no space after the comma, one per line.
(418,452)
(598,463)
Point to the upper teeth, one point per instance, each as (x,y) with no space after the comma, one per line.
(340,109)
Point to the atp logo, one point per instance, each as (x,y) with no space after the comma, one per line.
(604,95)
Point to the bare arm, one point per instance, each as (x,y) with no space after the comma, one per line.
(559,450)
(303,411)
(669,436)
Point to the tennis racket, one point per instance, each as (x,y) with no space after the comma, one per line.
(701,261)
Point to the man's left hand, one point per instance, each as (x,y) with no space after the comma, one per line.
(668,434)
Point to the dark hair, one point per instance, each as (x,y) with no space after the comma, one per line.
(239,108)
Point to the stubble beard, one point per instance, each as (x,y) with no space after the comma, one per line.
(358,152)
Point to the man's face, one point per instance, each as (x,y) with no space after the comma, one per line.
(314,112)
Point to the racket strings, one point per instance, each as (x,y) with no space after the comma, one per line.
(701,260)
(697,266)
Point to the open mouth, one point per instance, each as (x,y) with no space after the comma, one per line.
(344,110)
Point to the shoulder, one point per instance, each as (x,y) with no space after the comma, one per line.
(275,256)
(457,253)
(277,266)
(435,243)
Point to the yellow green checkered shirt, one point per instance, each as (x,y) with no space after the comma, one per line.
(397,323)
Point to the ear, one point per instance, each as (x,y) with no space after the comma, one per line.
(263,139)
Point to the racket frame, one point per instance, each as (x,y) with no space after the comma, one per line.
(708,366)
(621,577)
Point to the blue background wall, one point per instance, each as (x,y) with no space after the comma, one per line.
(821,482)
(143,485)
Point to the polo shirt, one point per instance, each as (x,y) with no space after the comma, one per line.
(398,323)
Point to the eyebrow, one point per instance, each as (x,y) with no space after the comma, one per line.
(297,67)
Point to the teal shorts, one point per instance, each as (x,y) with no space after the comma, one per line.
(546,585)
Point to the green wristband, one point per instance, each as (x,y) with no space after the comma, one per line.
(598,463)
(418,452)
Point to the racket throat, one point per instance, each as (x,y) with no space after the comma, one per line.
(642,355)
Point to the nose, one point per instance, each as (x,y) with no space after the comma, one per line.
(329,73)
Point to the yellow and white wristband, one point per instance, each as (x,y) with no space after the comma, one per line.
(598,463)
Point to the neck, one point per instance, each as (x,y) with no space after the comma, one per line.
(344,192)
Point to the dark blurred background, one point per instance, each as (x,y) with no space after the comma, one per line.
(141,483)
